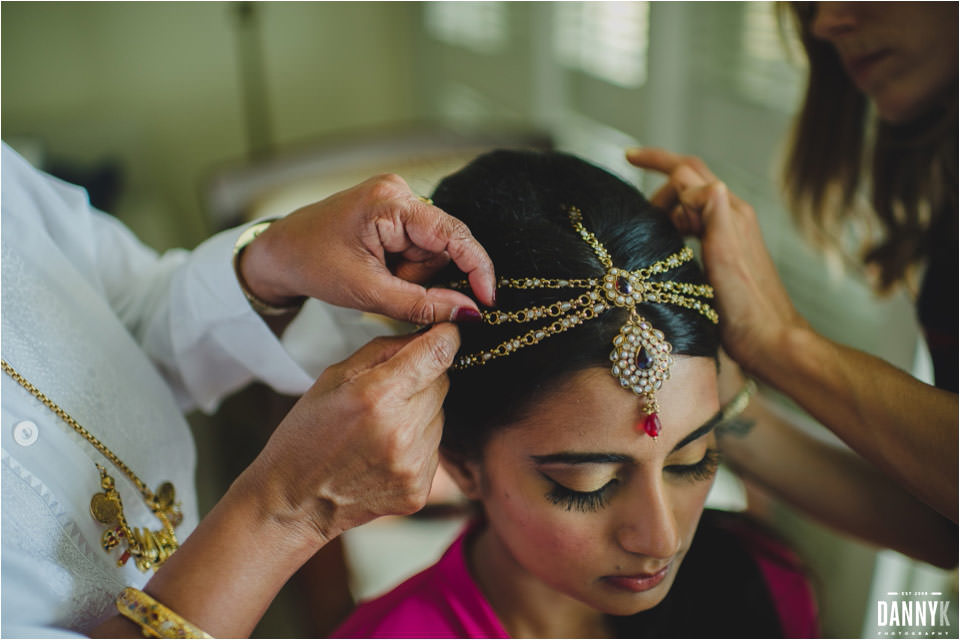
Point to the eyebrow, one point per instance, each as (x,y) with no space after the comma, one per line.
(581,458)
(700,431)
(566,457)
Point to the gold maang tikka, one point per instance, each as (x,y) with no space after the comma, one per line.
(641,354)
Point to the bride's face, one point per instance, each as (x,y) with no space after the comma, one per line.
(581,500)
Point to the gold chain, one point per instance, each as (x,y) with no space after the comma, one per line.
(149,548)
(641,353)
(552,310)
(601,294)
(89,437)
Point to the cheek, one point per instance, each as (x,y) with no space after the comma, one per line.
(915,85)
(535,528)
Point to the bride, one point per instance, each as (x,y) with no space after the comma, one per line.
(580,421)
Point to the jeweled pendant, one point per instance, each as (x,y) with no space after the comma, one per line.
(111,538)
(651,425)
(643,359)
(640,357)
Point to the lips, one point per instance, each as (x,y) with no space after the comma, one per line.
(860,67)
(640,582)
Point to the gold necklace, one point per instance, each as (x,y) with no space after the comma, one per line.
(149,549)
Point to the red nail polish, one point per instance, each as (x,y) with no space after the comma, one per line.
(466,314)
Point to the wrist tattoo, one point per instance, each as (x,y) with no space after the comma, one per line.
(738,427)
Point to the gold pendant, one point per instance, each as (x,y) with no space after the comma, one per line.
(166,503)
(149,549)
(111,538)
(103,508)
(154,547)
(166,494)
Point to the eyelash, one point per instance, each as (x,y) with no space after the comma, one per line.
(702,470)
(580,500)
(588,501)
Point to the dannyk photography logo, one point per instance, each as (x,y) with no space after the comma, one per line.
(914,614)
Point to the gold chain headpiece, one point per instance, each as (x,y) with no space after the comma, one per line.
(641,354)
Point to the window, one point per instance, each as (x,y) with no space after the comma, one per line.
(769,58)
(605,39)
(478,26)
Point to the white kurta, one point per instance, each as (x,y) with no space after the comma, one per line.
(125,341)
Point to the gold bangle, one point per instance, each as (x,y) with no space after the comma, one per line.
(264,308)
(155,620)
(739,402)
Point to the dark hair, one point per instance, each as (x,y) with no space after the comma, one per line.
(835,136)
(514,203)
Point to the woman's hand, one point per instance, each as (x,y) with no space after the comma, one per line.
(365,248)
(906,428)
(362,442)
(756,314)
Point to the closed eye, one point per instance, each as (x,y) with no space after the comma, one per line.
(569,499)
(702,470)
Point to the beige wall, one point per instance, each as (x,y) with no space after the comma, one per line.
(157,85)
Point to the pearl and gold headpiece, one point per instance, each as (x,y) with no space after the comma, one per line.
(641,354)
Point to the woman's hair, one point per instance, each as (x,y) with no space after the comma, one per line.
(515,203)
(913,167)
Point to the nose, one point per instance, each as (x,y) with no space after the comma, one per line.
(833,19)
(649,526)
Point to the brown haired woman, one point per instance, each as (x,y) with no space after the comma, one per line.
(882,94)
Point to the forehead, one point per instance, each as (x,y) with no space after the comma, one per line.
(590,411)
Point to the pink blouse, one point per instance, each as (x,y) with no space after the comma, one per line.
(442,601)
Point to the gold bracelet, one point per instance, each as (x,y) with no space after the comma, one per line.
(264,308)
(739,402)
(155,620)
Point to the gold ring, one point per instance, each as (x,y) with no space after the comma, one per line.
(425,199)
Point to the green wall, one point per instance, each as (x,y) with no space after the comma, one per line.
(157,85)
